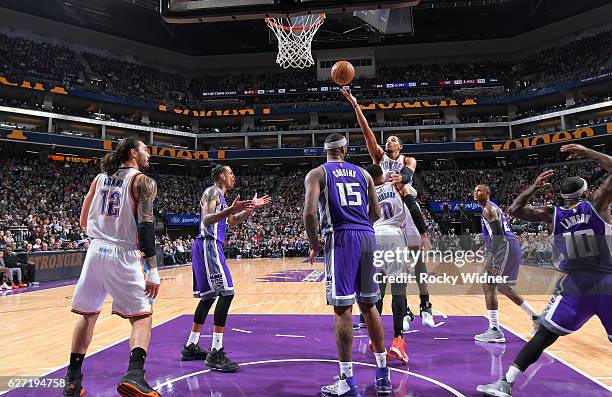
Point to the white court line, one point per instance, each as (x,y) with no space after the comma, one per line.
(411,331)
(362,336)
(102,349)
(441,338)
(446,387)
(290,336)
(440,323)
(562,361)
(244,331)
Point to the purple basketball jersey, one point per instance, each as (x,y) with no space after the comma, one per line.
(486,228)
(216,231)
(582,240)
(343,204)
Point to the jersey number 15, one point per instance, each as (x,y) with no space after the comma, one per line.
(345,191)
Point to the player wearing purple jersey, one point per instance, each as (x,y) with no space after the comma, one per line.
(211,276)
(582,239)
(346,199)
(503,259)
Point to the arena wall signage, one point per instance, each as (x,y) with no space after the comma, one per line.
(419,104)
(455,206)
(543,139)
(216,113)
(182,220)
(34,86)
(54,265)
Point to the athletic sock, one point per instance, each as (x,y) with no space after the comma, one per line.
(493,319)
(528,309)
(76,361)
(512,374)
(346,369)
(194,337)
(137,358)
(381,359)
(217,340)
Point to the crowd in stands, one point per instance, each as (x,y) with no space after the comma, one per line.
(24,58)
(40,204)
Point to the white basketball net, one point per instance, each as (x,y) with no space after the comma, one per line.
(295,36)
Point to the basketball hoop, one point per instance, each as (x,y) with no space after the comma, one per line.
(295,39)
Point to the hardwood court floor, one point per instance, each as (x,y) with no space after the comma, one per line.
(37,326)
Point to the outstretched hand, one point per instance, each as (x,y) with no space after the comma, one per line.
(261,201)
(575,151)
(347,94)
(238,206)
(541,181)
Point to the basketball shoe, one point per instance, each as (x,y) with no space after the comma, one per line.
(398,350)
(72,387)
(371,346)
(492,335)
(408,318)
(383,381)
(342,387)
(218,361)
(501,388)
(5,286)
(133,384)
(360,324)
(427,319)
(193,352)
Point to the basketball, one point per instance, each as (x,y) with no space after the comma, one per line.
(343,72)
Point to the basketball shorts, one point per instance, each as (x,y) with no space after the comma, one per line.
(110,269)
(411,234)
(211,276)
(578,297)
(349,268)
(389,239)
(505,262)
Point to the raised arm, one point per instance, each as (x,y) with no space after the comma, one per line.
(235,219)
(602,198)
(374,149)
(87,204)
(579,151)
(144,190)
(312,183)
(374,212)
(521,209)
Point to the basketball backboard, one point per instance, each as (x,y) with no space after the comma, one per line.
(197,11)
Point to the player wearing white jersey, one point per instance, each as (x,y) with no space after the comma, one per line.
(118,215)
(399,170)
(389,237)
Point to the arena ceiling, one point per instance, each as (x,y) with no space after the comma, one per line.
(433,21)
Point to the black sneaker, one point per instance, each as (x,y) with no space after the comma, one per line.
(218,361)
(193,352)
(73,387)
(133,384)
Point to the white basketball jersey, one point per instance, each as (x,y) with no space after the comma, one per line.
(112,215)
(391,206)
(389,165)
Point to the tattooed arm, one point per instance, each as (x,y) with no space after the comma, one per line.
(211,199)
(145,192)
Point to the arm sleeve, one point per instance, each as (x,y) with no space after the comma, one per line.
(406,174)
(415,212)
(146,239)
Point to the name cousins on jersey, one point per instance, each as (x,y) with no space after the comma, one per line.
(450,279)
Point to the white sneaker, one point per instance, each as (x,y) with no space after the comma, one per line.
(427,319)
(408,318)
(491,335)
(5,286)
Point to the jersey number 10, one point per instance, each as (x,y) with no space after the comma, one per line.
(581,244)
(110,203)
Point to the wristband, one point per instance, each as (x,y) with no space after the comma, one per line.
(153,276)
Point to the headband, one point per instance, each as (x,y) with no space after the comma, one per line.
(335,144)
(578,192)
